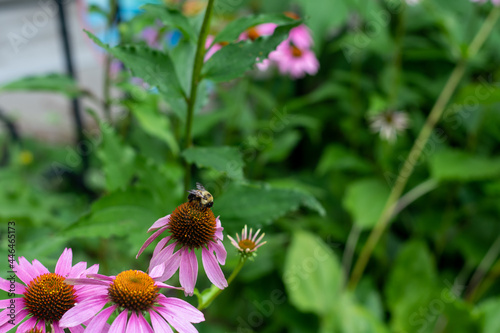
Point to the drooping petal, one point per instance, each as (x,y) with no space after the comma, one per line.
(150,240)
(160,223)
(159,323)
(220,251)
(5,286)
(213,269)
(144,326)
(171,265)
(181,324)
(162,256)
(188,271)
(99,322)
(56,329)
(120,323)
(27,325)
(182,308)
(160,245)
(63,266)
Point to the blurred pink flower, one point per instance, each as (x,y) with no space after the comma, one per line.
(265,29)
(294,61)
(211,49)
(301,37)
(192,226)
(46,296)
(150,35)
(131,292)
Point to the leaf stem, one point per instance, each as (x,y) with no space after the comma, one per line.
(195,81)
(216,291)
(418,146)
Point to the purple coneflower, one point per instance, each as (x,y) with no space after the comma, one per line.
(45,296)
(247,244)
(131,293)
(192,226)
(294,61)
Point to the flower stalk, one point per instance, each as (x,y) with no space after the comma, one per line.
(195,81)
(214,291)
(416,151)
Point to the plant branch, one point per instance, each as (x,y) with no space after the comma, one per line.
(214,292)
(195,81)
(418,146)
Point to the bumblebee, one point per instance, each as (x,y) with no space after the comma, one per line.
(201,195)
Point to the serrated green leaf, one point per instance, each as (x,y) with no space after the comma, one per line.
(223,159)
(118,159)
(117,214)
(154,67)
(155,123)
(234,59)
(172,17)
(48,83)
(312,274)
(257,206)
(233,30)
(364,200)
(457,165)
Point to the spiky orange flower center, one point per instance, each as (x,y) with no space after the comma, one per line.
(253,34)
(133,290)
(47,297)
(192,224)
(296,52)
(246,245)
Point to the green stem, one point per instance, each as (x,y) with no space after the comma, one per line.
(107,65)
(195,81)
(216,291)
(418,146)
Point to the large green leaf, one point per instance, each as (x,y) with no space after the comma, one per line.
(223,159)
(412,284)
(154,67)
(461,166)
(155,123)
(233,30)
(254,205)
(118,159)
(118,214)
(234,59)
(364,200)
(312,274)
(172,17)
(489,311)
(350,317)
(47,83)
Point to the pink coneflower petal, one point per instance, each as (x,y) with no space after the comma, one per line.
(163,255)
(179,325)
(188,271)
(301,37)
(143,325)
(24,272)
(171,266)
(85,311)
(218,229)
(150,240)
(78,269)
(213,270)
(120,323)
(76,329)
(99,322)
(63,266)
(27,325)
(39,267)
(182,308)
(220,251)
(235,243)
(5,286)
(56,328)
(19,317)
(160,223)
(160,245)
(159,324)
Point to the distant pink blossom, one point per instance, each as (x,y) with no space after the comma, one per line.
(294,61)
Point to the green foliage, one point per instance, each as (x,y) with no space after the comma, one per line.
(312,274)
(460,166)
(56,83)
(174,18)
(227,160)
(365,200)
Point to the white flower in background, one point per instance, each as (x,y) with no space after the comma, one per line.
(389,124)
